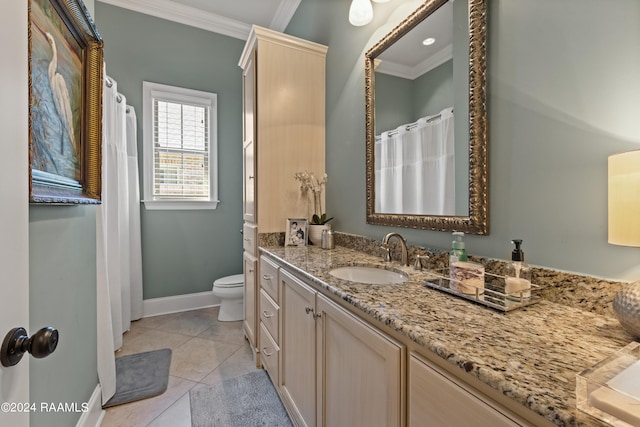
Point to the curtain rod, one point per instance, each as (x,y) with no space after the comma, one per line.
(415,124)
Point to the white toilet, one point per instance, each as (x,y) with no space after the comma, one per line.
(230,290)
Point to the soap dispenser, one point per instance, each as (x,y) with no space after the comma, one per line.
(517,275)
(457,252)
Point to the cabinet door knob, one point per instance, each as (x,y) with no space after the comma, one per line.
(308,309)
(317,315)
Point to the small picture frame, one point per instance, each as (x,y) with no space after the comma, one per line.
(296,234)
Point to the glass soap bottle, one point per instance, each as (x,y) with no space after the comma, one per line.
(517,275)
(457,252)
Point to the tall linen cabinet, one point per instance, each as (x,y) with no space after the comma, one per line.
(283,133)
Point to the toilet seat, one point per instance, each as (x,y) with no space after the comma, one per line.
(233,281)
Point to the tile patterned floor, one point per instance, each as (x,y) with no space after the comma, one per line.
(205,351)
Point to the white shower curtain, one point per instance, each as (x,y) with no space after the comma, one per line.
(119,266)
(415,167)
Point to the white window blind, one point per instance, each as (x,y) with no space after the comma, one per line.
(179,147)
(181,150)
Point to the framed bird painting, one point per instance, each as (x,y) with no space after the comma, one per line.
(65,103)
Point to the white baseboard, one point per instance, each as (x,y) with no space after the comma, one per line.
(93,417)
(178,303)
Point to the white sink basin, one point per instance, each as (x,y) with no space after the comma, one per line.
(369,275)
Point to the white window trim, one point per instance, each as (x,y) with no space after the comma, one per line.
(151,90)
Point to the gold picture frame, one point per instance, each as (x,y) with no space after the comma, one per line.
(65,103)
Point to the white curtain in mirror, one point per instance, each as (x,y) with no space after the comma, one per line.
(119,260)
(415,167)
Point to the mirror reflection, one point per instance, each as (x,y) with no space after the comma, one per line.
(415,146)
(419,144)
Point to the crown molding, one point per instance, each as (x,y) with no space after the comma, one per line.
(283,14)
(412,73)
(173,11)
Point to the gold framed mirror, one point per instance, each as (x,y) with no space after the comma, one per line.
(467,209)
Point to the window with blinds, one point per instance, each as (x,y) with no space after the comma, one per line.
(179,135)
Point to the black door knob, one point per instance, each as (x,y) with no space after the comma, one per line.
(16,343)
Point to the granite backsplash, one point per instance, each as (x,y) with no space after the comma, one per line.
(588,293)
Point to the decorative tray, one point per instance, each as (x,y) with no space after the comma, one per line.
(487,289)
(610,390)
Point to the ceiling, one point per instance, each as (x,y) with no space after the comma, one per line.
(409,58)
(232,18)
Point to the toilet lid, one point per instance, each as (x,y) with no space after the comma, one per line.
(230,281)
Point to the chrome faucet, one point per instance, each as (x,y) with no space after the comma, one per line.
(403,244)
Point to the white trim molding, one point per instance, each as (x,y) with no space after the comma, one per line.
(194,17)
(178,303)
(283,15)
(95,414)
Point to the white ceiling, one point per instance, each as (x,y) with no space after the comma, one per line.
(409,58)
(232,18)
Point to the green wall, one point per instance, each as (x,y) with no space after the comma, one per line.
(433,91)
(562,96)
(427,95)
(183,251)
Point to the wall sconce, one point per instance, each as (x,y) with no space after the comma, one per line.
(361,11)
(624,229)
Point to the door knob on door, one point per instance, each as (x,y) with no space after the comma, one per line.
(16,343)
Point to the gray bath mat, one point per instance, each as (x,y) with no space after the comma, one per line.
(141,375)
(246,401)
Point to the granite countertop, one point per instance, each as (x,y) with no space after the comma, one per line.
(531,354)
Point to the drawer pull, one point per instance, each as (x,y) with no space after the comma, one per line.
(247,239)
(264,351)
(266,277)
(266,314)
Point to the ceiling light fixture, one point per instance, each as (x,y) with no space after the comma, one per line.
(380,1)
(428,41)
(360,12)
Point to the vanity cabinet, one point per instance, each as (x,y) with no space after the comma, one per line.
(283,133)
(336,369)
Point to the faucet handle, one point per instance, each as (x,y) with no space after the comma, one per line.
(417,264)
(386,256)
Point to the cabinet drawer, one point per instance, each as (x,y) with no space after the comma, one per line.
(269,278)
(269,354)
(250,238)
(269,314)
